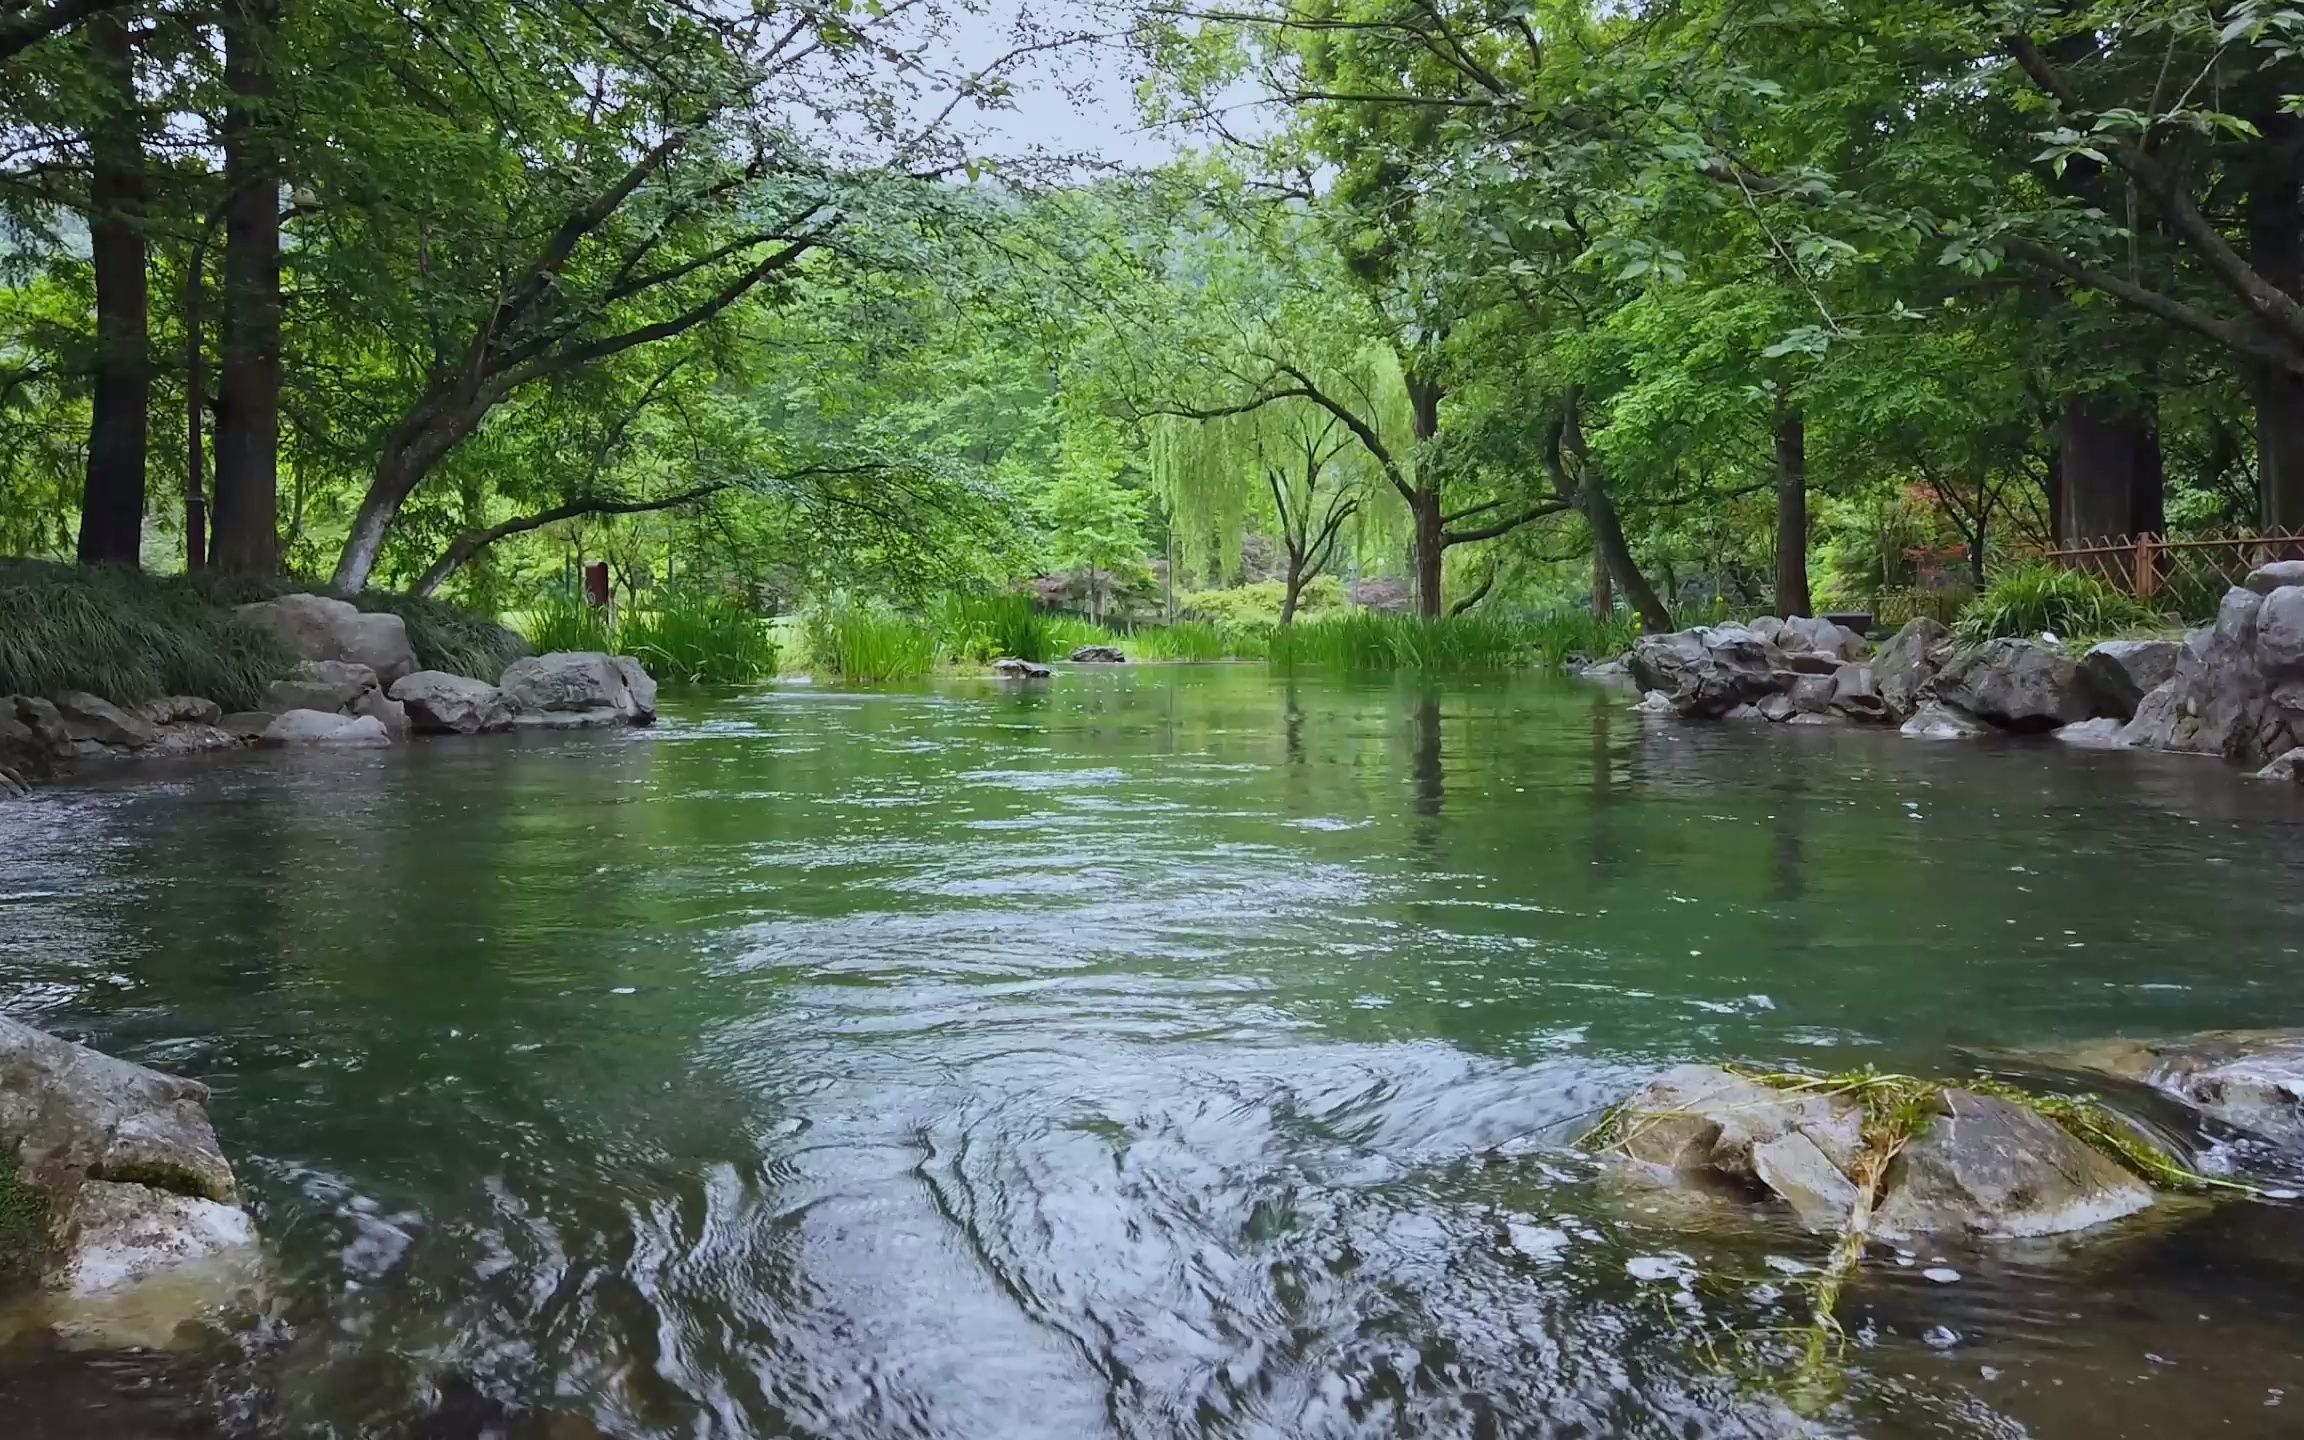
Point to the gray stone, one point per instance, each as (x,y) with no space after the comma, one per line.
(1711,671)
(1812,662)
(2238,690)
(1776,707)
(1795,1168)
(390,714)
(1615,669)
(1909,661)
(1098,655)
(92,719)
(1817,634)
(1991,1167)
(180,710)
(2015,684)
(1856,693)
(2265,579)
(247,724)
(575,688)
(325,727)
(1655,702)
(1935,720)
(640,686)
(2120,673)
(1710,1129)
(2252,1080)
(2287,766)
(2280,631)
(1824,717)
(72,1114)
(336,685)
(1012,669)
(320,627)
(1812,694)
(46,723)
(439,703)
(2102,733)
(1769,628)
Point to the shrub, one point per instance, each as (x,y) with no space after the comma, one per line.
(2065,603)
(1248,607)
(694,638)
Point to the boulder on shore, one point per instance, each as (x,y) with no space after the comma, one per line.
(1709,671)
(332,685)
(2120,673)
(325,727)
(570,689)
(2238,690)
(1981,1166)
(139,1229)
(180,710)
(92,721)
(2016,684)
(1909,661)
(321,627)
(1935,720)
(438,703)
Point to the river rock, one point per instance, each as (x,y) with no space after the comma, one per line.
(1012,669)
(247,724)
(2278,575)
(1812,694)
(1611,669)
(2102,733)
(1935,720)
(1991,1167)
(142,1228)
(2238,690)
(2252,1080)
(1710,671)
(325,727)
(46,723)
(90,720)
(1818,635)
(335,685)
(321,627)
(1909,661)
(438,703)
(1655,702)
(2287,767)
(577,688)
(2120,673)
(2016,684)
(387,712)
(1715,1131)
(180,710)
(1099,655)
(1856,693)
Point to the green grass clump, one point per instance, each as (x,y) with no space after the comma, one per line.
(868,641)
(1369,641)
(1559,636)
(127,636)
(23,1226)
(699,639)
(1192,640)
(563,621)
(1067,633)
(2070,604)
(446,638)
(978,629)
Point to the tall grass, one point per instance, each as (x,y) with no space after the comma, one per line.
(866,640)
(566,621)
(2065,603)
(982,628)
(1369,641)
(1193,640)
(446,638)
(127,637)
(1559,636)
(695,638)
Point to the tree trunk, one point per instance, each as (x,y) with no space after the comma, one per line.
(1791,513)
(1607,529)
(248,381)
(1603,588)
(112,504)
(2276,249)
(1429,542)
(1294,592)
(196,398)
(2110,468)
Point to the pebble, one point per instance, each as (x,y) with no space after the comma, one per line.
(1942,1274)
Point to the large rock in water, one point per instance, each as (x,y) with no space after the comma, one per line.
(578,688)
(2016,684)
(439,703)
(1909,661)
(1983,1166)
(2238,690)
(91,720)
(1709,671)
(325,727)
(2252,1080)
(2120,673)
(320,627)
(140,1228)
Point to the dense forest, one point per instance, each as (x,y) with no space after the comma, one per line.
(1431,304)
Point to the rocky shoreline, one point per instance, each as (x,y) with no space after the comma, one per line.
(2233,688)
(356,682)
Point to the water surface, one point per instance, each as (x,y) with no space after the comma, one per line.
(1176,1051)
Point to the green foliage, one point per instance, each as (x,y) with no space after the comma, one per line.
(1572,632)
(1258,605)
(565,621)
(23,1225)
(2069,604)
(447,638)
(127,637)
(695,638)
(1191,640)
(978,629)
(1364,640)
(867,640)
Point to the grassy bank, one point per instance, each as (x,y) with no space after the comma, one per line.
(128,636)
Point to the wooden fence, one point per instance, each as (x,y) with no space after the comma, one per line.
(2154,568)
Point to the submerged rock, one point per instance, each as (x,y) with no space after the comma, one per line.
(2287,766)
(1714,1131)
(2120,673)
(2016,684)
(1991,1167)
(438,703)
(2104,733)
(1935,720)
(139,1229)
(2251,1080)
(1013,669)
(1099,655)
(568,689)
(321,627)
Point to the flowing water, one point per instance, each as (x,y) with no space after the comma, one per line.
(1171,1051)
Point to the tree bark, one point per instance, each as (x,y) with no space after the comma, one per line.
(196,395)
(1603,587)
(1791,513)
(2110,468)
(2276,249)
(247,539)
(112,504)
(1293,592)
(1429,541)
(1608,541)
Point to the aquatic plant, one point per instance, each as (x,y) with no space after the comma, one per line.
(1365,640)
(978,629)
(127,636)
(697,638)
(1192,640)
(2042,598)
(866,640)
(1561,635)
